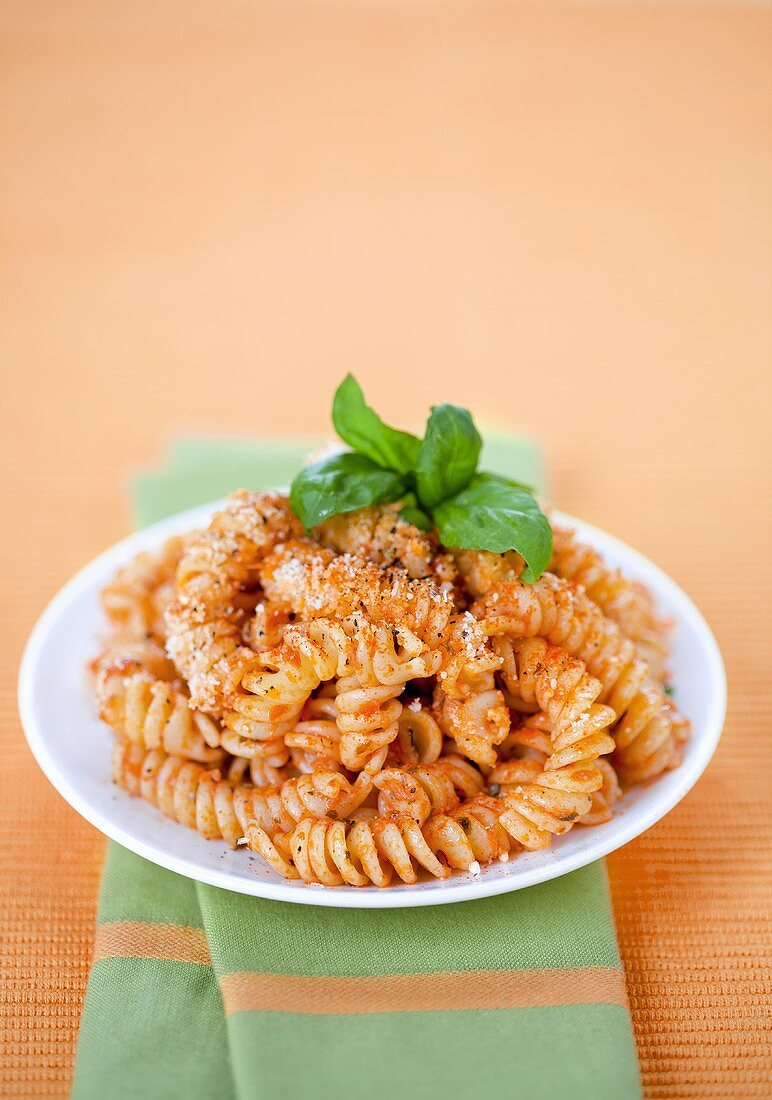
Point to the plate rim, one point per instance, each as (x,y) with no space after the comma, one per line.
(451,890)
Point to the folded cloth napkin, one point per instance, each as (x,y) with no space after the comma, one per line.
(196,992)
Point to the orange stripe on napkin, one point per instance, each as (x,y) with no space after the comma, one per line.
(244,992)
(142,940)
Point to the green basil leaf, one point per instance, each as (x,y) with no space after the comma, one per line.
(509,481)
(339,484)
(415,516)
(490,514)
(361,427)
(448,455)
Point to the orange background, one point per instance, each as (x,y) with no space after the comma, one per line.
(557,214)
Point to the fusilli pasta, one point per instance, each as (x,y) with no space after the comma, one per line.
(137,597)
(649,731)
(274,689)
(360,705)
(151,712)
(189,793)
(381,535)
(477,722)
(215,583)
(627,603)
(366,849)
(419,790)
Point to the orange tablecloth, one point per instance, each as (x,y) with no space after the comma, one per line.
(557,214)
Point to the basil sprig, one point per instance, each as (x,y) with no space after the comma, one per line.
(342,483)
(492,514)
(435,479)
(364,431)
(448,454)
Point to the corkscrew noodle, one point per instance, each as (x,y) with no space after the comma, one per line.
(625,601)
(136,598)
(139,703)
(185,791)
(273,692)
(215,580)
(419,790)
(649,732)
(478,722)
(359,852)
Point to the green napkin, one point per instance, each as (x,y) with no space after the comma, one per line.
(200,993)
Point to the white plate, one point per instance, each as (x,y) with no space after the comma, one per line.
(73,747)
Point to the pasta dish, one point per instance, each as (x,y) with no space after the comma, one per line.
(365,683)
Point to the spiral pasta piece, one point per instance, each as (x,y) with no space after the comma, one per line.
(627,602)
(471,834)
(314,741)
(152,712)
(545,794)
(273,692)
(419,790)
(649,731)
(557,683)
(536,805)
(365,850)
(476,723)
(368,721)
(531,741)
(323,794)
(418,733)
(185,791)
(216,580)
(542,803)
(381,535)
(314,583)
(650,738)
(136,598)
